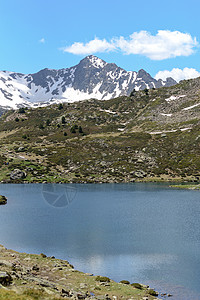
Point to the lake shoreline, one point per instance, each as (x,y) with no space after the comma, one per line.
(165,179)
(31,275)
(179,185)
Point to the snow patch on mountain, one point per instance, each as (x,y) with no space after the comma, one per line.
(192,106)
(171,98)
(91,78)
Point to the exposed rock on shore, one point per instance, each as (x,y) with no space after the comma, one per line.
(27,276)
(3,200)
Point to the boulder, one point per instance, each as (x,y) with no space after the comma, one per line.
(140,173)
(6,263)
(3,200)
(5,278)
(17,174)
(21,149)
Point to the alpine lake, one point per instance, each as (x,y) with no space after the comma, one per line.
(141,232)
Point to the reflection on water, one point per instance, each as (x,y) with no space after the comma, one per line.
(140,232)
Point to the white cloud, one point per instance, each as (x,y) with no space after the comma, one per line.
(42,41)
(93,46)
(165,44)
(178,74)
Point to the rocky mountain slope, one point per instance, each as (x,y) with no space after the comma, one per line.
(151,135)
(91,78)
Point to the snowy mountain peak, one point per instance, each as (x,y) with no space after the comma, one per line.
(91,78)
(95,61)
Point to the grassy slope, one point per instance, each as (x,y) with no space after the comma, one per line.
(118,143)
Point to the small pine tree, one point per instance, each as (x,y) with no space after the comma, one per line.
(80,130)
(60,106)
(63,120)
(41,126)
(22,110)
(73,130)
(48,122)
(16,119)
(132,93)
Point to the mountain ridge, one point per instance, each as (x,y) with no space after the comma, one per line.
(92,77)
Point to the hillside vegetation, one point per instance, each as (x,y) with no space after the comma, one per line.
(151,135)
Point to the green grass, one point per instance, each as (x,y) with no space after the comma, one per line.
(186,186)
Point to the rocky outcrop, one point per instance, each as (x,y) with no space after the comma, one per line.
(3,200)
(17,174)
(5,278)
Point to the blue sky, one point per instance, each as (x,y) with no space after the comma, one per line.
(155,35)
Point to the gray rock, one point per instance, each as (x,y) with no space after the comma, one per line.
(21,149)
(140,173)
(65,292)
(83,285)
(5,278)
(89,274)
(17,174)
(6,263)
(35,268)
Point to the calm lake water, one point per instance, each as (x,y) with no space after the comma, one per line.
(144,233)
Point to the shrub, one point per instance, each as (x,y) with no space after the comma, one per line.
(125,282)
(63,120)
(152,292)
(132,93)
(16,119)
(60,106)
(41,126)
(48,122)
(137,286)
(22,110)
(102,279)
(43,255)
(80,130)
(73,130)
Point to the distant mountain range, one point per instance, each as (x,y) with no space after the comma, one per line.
(91,78)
